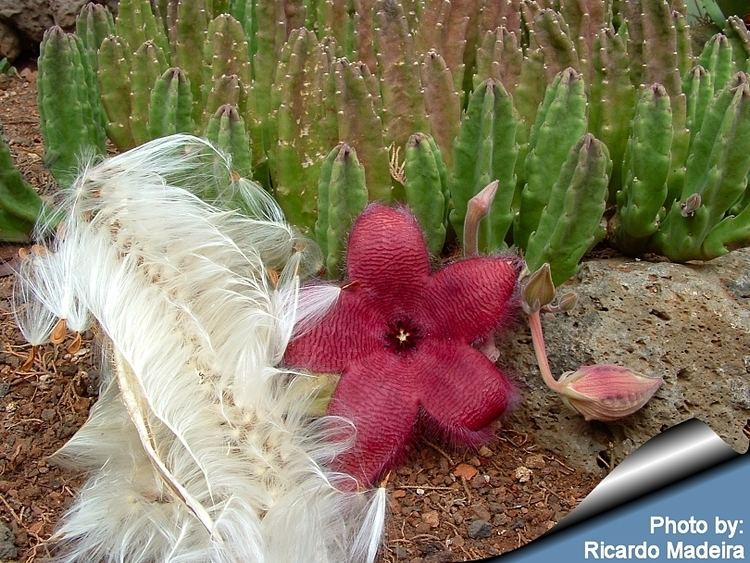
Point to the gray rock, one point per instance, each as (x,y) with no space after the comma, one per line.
(64,12)
(10,44)
(689,323)
(29,18)
(8,548)
(479,529)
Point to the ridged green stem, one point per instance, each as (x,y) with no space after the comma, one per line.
(646,169)
(114,86)
(425,193)
(560,123)
(569,224)
(170,108)
(69,108)
(343,196)
(20,206)
(485,150)
(226,130)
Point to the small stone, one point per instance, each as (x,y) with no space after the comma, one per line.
(48,415)
(398,493)
(432,518)
(484,451)
(4,388)
(420,492)
(422,528)
(465,471)
(479,529)
(535,461)
(457,541)
(522,474)
(482,513)
(28,74)
(479,481)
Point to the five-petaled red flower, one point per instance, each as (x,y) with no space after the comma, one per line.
(401,336)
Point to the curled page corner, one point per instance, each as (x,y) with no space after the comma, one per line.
(680,452)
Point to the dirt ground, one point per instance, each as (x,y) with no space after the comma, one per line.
(444,505)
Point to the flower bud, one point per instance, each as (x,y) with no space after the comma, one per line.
(607,392)
(537,289)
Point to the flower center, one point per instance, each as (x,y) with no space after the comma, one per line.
(402,335)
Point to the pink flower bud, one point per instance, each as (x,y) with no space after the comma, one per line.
(607,392)
(537,289)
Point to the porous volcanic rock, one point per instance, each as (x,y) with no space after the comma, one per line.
(26,20)
(10,44)
(689,323)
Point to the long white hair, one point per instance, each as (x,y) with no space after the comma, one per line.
(200,447)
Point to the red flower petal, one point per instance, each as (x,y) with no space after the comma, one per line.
(469,298)
(463,391)
(351,330)
(378,395)
(388,257)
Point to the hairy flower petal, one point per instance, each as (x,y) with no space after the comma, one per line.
(378,395)
(387,256)
(350,330)
(470,298)
(450,372)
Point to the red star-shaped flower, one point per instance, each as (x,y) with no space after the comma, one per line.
(401,337)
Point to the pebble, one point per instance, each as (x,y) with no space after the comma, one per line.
(479,529)
(27,74)
(482,513)
(422,528)
(480,481)
(465,471)
(522,474)
(484,451)
(431,518)
(399,493)
(535,461)
(48,415)
(4,388)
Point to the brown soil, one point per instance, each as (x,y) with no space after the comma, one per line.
(444,505)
